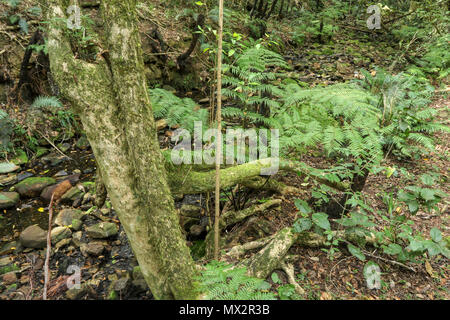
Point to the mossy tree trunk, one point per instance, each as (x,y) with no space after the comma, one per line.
(111,99)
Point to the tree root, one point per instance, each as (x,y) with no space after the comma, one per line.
(232,217)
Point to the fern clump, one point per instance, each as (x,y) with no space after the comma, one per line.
(221,281)
(250,82)
(407,121)
(44,102)
(182,112)
(342,118)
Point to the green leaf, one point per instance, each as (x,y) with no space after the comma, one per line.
(321,220)
(427,179)
(432,247)
(436,235)
(275,278)
(302,206)
(416,245)
(427,194)
(392,249)
(413,206)
(302,224)
(355,251)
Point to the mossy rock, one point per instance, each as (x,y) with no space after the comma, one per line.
(102,230)
(21,158)
(32,187)
(8,199)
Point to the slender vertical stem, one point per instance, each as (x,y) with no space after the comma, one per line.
(219,132)
(49,249)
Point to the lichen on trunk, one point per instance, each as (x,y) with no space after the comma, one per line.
(111,99)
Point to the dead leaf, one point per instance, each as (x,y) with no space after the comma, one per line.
(429,268)
(325,296)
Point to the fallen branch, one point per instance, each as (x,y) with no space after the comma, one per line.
(183,180)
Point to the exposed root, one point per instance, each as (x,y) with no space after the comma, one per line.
(288,268)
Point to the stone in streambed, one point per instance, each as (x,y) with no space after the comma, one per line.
(71,195)
(46,194)
(102,230)
(60,233)
(8,199)
(66,216)
(7,167)
(94,248)
(33,237)
(32,187)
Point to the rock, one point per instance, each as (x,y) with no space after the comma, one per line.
(5,261)
(9,248)
(53,159)
(9,278)
(23,175)
(8,180)
(64,146)
(140,285)
(8,199)
(102,230)
(76,238)
(76,294)
(137,273)
(66,217)
(76,224)
(196,230)
(71,195)
(32,187)
(121,284)
(21,158)
(82,143)
(7,167)
(61,173)
(93,248)
(62,243)
(33,237)
(60,233)
(190,210)
(46,194)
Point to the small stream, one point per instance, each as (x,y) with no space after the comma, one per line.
(27,212)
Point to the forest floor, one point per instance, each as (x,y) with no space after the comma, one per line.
(108,264)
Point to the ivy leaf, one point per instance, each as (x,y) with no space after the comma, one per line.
(392,249)
(436,235)
(427,179)
(413,206)
(355,251)
(416,245)
(302,206)
(302,224)
(275,278)
(433,248)
(321,220)
(427,194)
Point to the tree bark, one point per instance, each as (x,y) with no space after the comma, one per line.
(111,99)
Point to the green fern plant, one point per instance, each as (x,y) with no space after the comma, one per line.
(65,118)
(45,101)
(177,111)
(250,82)
(342,118)
(221,281)
(407,121)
